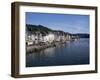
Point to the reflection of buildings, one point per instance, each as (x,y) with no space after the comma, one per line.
(49,52)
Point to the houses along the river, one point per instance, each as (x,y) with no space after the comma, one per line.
(39,37)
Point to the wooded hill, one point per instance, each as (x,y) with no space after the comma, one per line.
(44,30)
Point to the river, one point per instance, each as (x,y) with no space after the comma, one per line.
(71,53)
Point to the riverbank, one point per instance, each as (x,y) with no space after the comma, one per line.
(39,47)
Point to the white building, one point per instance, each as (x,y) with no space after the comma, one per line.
(29,40)
(49,38)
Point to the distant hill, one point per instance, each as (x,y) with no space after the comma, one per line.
(81,35)
(44,30)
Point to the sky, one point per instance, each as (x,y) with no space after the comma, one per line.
(66,22)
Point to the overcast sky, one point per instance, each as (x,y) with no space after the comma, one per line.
(66,22)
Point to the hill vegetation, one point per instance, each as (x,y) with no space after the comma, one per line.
(44,30)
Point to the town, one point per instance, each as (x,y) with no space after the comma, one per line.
(37,40)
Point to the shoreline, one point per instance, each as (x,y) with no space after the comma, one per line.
(39,47)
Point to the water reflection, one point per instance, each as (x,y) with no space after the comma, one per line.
(70,53)
(49,52)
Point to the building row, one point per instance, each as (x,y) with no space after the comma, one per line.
(37,37)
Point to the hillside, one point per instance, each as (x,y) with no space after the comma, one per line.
(35,28)
(82,35)
(44,30)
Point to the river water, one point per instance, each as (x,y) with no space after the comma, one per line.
(71,53)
